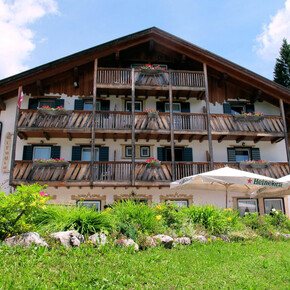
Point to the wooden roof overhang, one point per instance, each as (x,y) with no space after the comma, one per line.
(8,86)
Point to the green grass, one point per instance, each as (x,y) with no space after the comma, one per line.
(259,264)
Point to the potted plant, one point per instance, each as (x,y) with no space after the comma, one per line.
(152,113)
(148,69)
(251,117)
(255,163)
(153,163)
(58,111)
(50,162)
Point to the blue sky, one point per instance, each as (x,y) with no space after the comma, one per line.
(248,33)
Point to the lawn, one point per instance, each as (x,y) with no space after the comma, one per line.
(261,263)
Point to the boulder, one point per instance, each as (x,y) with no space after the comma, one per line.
(285,236)
(224,238)
(146,242)
(182,241)
(69,238)
(199,238)
(165,240)
(25,240)
(127,243)
(98,239)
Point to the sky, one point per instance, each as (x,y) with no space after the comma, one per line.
(247,32)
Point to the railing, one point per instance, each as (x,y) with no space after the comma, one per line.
(119,172)
(122,77)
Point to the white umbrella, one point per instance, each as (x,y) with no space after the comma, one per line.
(225,178)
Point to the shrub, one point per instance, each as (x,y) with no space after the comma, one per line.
(17,209)
(214,220)
(85,220)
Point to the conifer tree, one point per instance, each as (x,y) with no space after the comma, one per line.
(282,67)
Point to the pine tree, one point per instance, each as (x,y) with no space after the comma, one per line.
(282,67)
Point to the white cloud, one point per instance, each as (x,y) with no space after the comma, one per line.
(17,39)
(270,40)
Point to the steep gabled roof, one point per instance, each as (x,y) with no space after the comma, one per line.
(170,41)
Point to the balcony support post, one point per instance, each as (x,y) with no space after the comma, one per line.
(171,125)
(285,131)
(208,117)
(92,177)
(133,127)
(13,152)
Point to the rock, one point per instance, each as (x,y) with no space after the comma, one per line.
(148,242)
(182,241)
(98,239)
(285,236)
(127,243)
(199,238)
(165,240)
(225,238)
(214,238)
(25,240)
(68,238)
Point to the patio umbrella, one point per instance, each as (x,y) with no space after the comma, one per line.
(228,178)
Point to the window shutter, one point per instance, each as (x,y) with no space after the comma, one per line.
(27,152)
(255,152)
(105,105)
(187,154)
(55,152)
(32,104)
(227,108)
(185,107)
(160,106)
(231,155)
(104,153)
(250,108)
(59,103)
(76,153)
(160,153)
(79,104)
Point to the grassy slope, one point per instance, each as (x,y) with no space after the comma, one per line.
(259,264)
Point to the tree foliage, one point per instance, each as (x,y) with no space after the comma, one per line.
(282,67)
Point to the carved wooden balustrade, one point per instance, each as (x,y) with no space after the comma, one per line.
(109,173)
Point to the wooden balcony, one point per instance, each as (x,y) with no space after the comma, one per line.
(119,173)
(117,125)
(120,78)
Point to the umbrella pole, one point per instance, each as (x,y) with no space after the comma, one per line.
(227,189)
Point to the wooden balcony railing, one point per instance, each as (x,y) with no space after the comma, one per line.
(119,173)
(117,120)
(120,77)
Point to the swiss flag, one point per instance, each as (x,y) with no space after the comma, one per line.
(20,98)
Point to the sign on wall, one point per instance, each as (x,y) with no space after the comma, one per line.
(7,153)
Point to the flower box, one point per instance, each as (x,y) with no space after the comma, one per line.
(153,165)
(152,115)
(248,118)
(44,112)
(50,164)
(151,72)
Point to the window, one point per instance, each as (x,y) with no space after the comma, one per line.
(247,205)
(46,102)
(86,154)
(176,107)
(242,154)
(88,105)
(41,152)
(128,151)
(96,204)
(138,106)
(179,202)
(238,108)
(145,151)
(273,203)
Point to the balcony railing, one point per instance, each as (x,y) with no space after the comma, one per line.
(119,173)
(122,78)
(81,121)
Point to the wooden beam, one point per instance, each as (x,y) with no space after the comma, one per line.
(104,136)
(39,88)
(159,137)
(22,135)
(171,126)
(148,138)
(258,139)
(168,138)
(241,138)
(46,135)
(180,138)
(191,138)
(126,137)
(208,116)
(115,137)
(202,138)
(2,105)
(137,136)
(221,138)
(69,136)
(276,140)
(200,95)
(285,130)
(133,126)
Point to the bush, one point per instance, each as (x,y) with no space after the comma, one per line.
(214,220)
(85,220)
(17,209)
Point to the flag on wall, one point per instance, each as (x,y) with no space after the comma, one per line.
(20,98)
